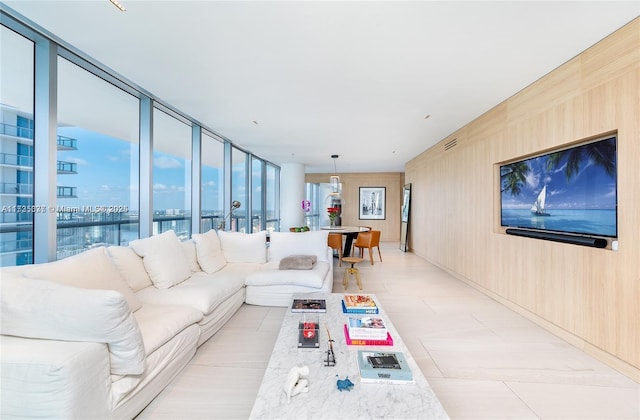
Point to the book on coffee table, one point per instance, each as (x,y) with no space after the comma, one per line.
(359,304)
(384,367)
(309,305)
(367,327)
(388,341)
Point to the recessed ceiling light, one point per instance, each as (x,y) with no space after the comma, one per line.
(118,5)
(427,117)
(255,122)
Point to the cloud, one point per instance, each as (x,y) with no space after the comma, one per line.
(104,188)
(159,187)
(165,162)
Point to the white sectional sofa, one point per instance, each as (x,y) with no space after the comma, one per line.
(100,334)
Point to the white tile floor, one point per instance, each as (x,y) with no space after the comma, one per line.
(483,360)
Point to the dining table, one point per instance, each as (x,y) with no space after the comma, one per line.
(350,233)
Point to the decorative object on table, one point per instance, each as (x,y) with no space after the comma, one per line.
(344,384)
(308,331)
(359,304)
(297,382)
(331,357)
(299,229)
(384,367)
(234,205)
(388,341)
(372,203)
(367,327)
(309,305)
(333,214)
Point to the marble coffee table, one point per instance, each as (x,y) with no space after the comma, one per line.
(324,400)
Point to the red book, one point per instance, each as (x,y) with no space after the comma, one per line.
(360,342)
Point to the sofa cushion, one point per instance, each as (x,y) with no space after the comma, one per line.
(130,266)
(160,323)
(298,262)
(209,251)
(42,309)
(163,259)
(313,278)
(92,269)
(244,247)
(202,291)
(283,244)
(189,248)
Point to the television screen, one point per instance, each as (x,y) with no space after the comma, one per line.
(571,191)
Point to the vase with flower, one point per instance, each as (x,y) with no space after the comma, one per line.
(333,214)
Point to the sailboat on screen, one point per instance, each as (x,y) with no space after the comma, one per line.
(538,207)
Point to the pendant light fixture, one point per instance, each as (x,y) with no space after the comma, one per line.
(334,180)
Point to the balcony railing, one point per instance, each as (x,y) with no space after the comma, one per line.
(67,167)
(16,188)
(63,142)
(67,192)
(15,131)
(16,160)
(67,143)
(76,234)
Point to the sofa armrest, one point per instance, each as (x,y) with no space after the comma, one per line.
(54,379)
(32,308)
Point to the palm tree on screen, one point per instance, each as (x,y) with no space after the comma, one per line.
(602,153)
(513,177)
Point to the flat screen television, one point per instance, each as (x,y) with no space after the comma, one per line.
(572,191)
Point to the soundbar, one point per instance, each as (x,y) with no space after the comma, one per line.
(559,237)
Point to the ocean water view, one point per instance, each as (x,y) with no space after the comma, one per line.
(593,222)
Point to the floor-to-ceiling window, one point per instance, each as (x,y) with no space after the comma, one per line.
(239,175)
(16,148)
(97,162)
(123,158)
(212,183)
(272,198)
(171,175)
(256,194)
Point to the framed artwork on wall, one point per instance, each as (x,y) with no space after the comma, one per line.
(372,203)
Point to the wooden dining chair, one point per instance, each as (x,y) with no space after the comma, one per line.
(368,240)
(335,241)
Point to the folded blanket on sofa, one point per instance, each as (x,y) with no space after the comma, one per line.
(298,262)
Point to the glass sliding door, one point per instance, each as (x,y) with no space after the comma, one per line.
(171,175)
(256,194)
(212,183)
(239,177)
(16,148)
(97,162)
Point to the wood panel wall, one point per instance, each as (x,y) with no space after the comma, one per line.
(351,183)
(591,297)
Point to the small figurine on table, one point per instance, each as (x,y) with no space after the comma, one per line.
(331,358)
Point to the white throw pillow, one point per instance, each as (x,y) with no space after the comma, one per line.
(130,266)
(163,259)
(283,244)
(209,251)
(243,247)
(92,269)
(189,248)
(35,308)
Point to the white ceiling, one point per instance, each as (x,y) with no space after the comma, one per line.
(330,77)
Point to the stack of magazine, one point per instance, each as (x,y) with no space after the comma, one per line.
(359,304)
(309,305)
(367,331)
(384,367)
